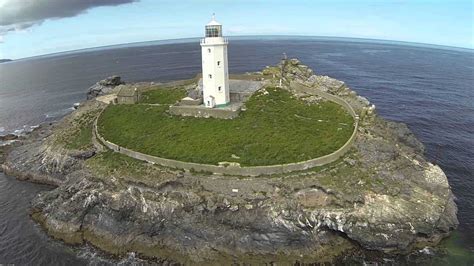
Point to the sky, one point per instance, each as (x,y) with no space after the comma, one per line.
(36,27)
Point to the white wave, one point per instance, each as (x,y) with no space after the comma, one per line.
(19,131)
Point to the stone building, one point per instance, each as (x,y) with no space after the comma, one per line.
(128,95)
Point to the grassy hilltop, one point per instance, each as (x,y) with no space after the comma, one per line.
(276,128)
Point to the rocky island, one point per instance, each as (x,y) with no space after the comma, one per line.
(380,195)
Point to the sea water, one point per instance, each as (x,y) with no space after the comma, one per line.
(427,87)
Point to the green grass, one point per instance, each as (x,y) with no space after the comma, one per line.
(276,128)
(82,139)
(78,135)
(106,164)
(163,96)
(109,162)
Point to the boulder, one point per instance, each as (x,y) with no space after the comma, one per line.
(104,86)
(363,100)
(294,61)
(111,81)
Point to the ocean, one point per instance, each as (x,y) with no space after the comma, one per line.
(429,88)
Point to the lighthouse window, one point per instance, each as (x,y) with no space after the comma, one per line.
(219,88)
(218,63)
(210,76)
(213,31)
(209,50)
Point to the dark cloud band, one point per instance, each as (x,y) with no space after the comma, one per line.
(23,14)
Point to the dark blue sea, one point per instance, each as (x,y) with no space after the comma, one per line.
(430,88)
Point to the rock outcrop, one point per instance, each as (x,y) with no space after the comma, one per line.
(382,196)
(43,156)
(8,137)
(104,86)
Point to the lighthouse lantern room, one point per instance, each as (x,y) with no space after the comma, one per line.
(215,74)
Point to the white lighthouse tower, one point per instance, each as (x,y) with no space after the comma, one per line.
(215,74)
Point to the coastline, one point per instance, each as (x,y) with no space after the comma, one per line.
(75,234)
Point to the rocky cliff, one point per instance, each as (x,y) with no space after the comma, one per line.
(104,86)
(382,196)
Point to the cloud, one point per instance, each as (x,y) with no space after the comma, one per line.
(21,14)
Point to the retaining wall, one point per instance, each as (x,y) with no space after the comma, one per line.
(201,111)
(250,170)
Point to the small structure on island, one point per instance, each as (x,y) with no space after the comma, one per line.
(128,95)
(215,73)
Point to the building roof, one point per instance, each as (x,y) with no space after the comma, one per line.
(213,22)
(126,91)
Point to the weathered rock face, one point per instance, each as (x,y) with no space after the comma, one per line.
(38,163)
(104,86)
(42,157)
(8,137)
(382,196)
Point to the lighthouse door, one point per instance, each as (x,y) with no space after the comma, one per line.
(209,102)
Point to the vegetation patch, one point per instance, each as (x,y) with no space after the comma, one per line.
(109,163)
(82,138)
(78,135)
(163,95)
(276,128)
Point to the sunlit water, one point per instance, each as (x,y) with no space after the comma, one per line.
(429,89)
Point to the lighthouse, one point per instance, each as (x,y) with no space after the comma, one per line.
(215,74)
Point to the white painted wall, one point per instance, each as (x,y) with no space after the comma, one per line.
(215,71)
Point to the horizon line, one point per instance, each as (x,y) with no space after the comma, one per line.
(189,39)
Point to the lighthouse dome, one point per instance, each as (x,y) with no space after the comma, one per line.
(213,28)
(213,22)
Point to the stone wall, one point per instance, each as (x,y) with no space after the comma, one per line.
(251,170)
(127,99)
(201,111)
(189,101)
(239,96)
